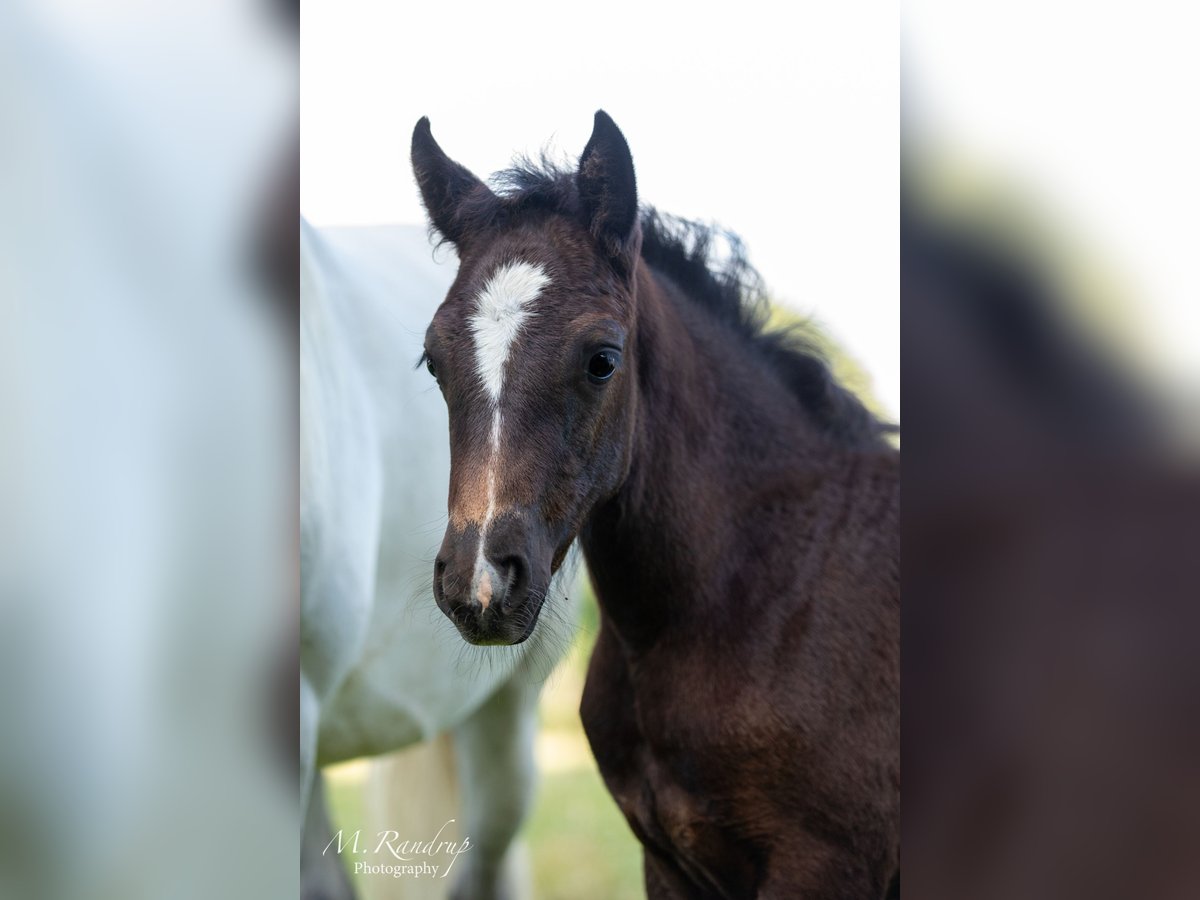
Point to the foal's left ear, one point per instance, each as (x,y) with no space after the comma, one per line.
(608,189)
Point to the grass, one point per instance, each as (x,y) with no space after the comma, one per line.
(580,845)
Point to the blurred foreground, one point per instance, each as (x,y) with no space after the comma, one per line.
(1051,679)
(1052,598)
(147,509)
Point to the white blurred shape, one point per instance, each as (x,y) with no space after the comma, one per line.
(144,480)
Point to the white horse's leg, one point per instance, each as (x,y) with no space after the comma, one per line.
(309,715)
(322,876)
(414,793)
(494,750)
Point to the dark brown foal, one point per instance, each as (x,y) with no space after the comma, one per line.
(738,511)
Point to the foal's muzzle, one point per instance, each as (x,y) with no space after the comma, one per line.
(494,593)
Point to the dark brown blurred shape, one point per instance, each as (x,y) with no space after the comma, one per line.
(1051,678)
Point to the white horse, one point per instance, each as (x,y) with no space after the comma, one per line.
(381,667)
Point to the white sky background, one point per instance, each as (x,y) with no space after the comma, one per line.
(780,122)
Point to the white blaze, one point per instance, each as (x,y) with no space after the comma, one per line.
(502,308)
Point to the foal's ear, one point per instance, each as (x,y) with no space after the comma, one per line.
(445,185)
(607,187)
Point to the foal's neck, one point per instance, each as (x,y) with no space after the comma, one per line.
(718,435)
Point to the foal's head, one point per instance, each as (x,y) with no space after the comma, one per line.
(533,352)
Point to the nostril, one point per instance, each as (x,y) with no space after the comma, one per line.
(513,570)
(439,570)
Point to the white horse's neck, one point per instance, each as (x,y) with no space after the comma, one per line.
(374,481)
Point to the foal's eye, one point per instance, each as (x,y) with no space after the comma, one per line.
(601,366)
(430,366)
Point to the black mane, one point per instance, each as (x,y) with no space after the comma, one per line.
(731,290)
(722,283)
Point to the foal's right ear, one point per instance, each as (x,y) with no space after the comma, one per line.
(445,185)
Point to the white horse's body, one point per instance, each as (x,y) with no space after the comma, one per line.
(381,667)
